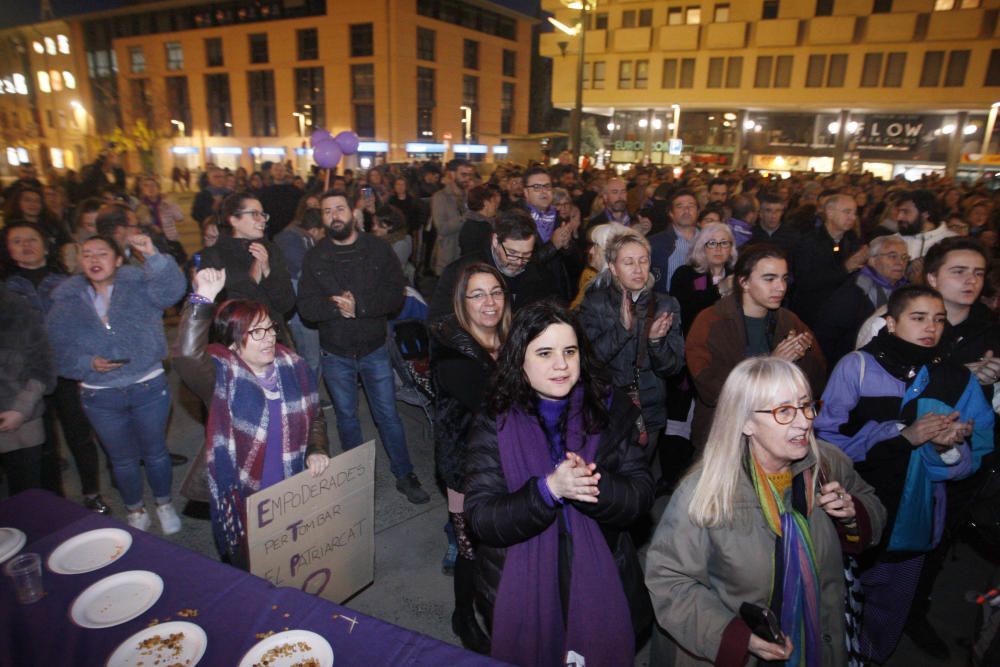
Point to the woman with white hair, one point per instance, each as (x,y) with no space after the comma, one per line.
(635,332)
(705,278)
(763,519)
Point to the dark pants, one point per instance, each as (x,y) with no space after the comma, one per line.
(24,469)
(63,405)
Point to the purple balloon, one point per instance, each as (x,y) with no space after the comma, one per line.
(348,142)
(327,154)
(318,136)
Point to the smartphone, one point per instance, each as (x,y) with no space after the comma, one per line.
(118,361)
(763,622)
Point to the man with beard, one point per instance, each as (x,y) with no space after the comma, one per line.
(917,218)
(512,252)
(615,195)
(350,285)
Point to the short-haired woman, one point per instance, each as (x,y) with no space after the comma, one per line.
(702,281)
(464,349)
(553,479)
(264,422)
(635,331)
(911,421)
(763,519)
(483,202)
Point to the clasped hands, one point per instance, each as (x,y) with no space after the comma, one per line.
(944,431)
(574,479)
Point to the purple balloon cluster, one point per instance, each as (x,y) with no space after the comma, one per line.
(328,149)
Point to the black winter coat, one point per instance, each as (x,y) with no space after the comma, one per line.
(232,254)
(461,370)
(618,349)
(500,519)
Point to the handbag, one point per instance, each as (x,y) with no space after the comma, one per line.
(642,350)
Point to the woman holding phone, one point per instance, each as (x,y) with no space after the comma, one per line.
(763,519)
(106,330)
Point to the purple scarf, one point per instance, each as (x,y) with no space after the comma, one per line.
(527,616)
(545,221)
(881,280)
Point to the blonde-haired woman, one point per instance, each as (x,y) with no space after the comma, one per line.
(706,277)
(764,518)
(635,332)
(598,236)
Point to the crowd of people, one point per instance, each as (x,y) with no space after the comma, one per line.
(803,366)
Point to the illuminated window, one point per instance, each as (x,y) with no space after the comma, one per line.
(12,157)
(57,158)
(22,155)
(63,42)
(56,78)
(37,46)
(43,82)
(50,46)
(69,80)
(20,84)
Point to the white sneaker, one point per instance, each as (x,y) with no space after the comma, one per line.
(139,519)
(169,521)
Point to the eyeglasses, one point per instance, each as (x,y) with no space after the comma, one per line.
(497,294)
(256,215)
(894,256)
(712,245)
(516,256)
(785,414)
(260,332)
(538,187)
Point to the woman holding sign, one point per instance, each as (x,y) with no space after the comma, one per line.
(264,421)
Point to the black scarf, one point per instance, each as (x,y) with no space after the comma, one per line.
(901,358)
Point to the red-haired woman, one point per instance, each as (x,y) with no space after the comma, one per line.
(264,421)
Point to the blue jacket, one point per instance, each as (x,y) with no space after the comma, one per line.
(661,246)
(863,415)
(135,323)
(39,297)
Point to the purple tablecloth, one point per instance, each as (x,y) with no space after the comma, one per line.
(232,606)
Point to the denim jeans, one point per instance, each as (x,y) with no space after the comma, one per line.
(306,343)
(341,377)
(131,423)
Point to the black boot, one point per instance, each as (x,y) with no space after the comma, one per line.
(463,621)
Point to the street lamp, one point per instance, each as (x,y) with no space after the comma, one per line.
(302,122)
(576,119)
(467,131)
(180,126)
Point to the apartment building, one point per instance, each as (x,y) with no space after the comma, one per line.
(887,85)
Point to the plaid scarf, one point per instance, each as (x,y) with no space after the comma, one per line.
(797,569)
(236,436)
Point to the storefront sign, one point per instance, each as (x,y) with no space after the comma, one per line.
(667,146)
(317,533)
(891,131)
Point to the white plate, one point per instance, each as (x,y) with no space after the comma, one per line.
(116,599)
(189,649)
(90,551)
(319,649)
(11,541)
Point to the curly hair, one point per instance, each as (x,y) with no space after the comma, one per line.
(510,385)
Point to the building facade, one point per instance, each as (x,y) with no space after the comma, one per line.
(232,86)
(44,118)
(887,85)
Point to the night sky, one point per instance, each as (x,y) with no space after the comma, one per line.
(20,12)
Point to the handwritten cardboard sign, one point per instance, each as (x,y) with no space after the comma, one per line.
(317,533)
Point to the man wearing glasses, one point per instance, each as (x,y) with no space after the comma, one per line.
(350,285)
(511,252)
(854,302)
